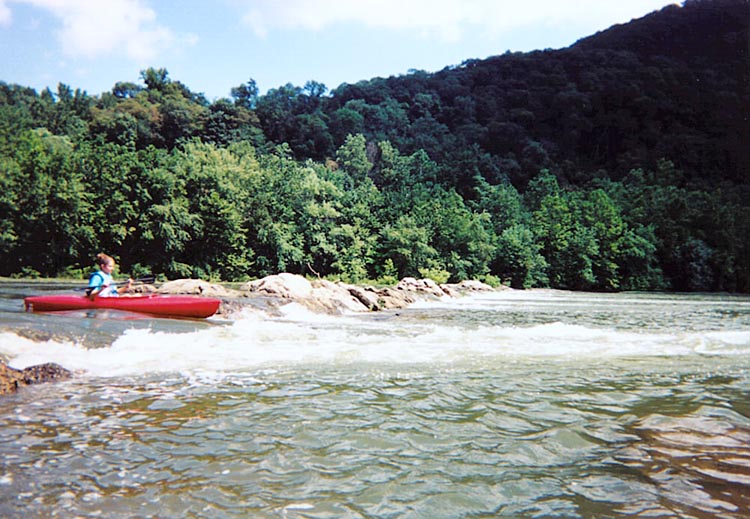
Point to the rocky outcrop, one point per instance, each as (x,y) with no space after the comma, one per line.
(429,287)
(391,298)
(11,378)
(319,295)
(367,296)
(326,296)
(329,297)
(474,285)
(284,285)
(196,287)
(421,286)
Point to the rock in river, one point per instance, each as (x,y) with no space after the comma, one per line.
(11,378)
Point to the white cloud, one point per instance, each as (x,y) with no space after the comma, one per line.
(447,19)
(425,15)
(5,16)
(107,27)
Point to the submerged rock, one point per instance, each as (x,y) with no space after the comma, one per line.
(12,378)
(700,462)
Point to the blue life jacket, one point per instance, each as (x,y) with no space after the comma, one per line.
(99,279)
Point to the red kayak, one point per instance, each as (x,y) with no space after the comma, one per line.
(152,304)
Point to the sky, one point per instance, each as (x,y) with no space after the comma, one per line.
(213,46)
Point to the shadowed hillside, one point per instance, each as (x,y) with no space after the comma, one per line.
(672,85)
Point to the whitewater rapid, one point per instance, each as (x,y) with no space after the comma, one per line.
(471,330)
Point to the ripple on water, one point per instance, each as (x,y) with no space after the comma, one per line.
(699,463)
(471,424)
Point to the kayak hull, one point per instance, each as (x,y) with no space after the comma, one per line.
(152,304)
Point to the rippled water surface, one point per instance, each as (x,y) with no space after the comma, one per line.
(515,404)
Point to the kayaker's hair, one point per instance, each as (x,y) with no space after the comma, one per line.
(103,259)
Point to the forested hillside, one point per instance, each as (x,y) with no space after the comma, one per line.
(621,162)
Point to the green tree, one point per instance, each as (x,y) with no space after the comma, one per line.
(406,244)
(463,240)
(217,183)
(48,225)
(566,244)
(597,212)
(246,95)
(228,122)
(352,157)
(155,79)
(518,259)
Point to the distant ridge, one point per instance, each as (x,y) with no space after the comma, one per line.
(671,85)
(699,31)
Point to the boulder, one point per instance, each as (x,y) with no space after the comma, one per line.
(470,285)
(11,378)
(429,287)
(326,296)
(391,298)
(143,288)
(196,287)
(450,290)
(365,295)
(423,286)
(47,372)
(333,298)
(288,286)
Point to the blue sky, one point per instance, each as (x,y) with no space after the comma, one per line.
(212,46)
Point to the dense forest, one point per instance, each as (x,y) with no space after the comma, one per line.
(619,163)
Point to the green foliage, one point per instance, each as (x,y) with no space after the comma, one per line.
(49,222)
(407,245)
(567,244)
(436,274)
(216,183)
(388,274)
(620,163)
(493,281)
(518,258)
(352,157)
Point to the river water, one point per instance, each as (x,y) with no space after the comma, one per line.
(524,404)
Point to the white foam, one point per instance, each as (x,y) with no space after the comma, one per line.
(300,336)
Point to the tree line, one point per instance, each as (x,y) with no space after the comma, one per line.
(589,168)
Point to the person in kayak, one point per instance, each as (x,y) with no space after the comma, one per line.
(101,283)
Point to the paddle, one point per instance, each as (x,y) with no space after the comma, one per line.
(143,281)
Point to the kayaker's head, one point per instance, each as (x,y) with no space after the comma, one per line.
(106,263)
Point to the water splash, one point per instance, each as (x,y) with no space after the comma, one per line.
(300,337)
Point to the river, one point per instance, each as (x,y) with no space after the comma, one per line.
(523,404)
